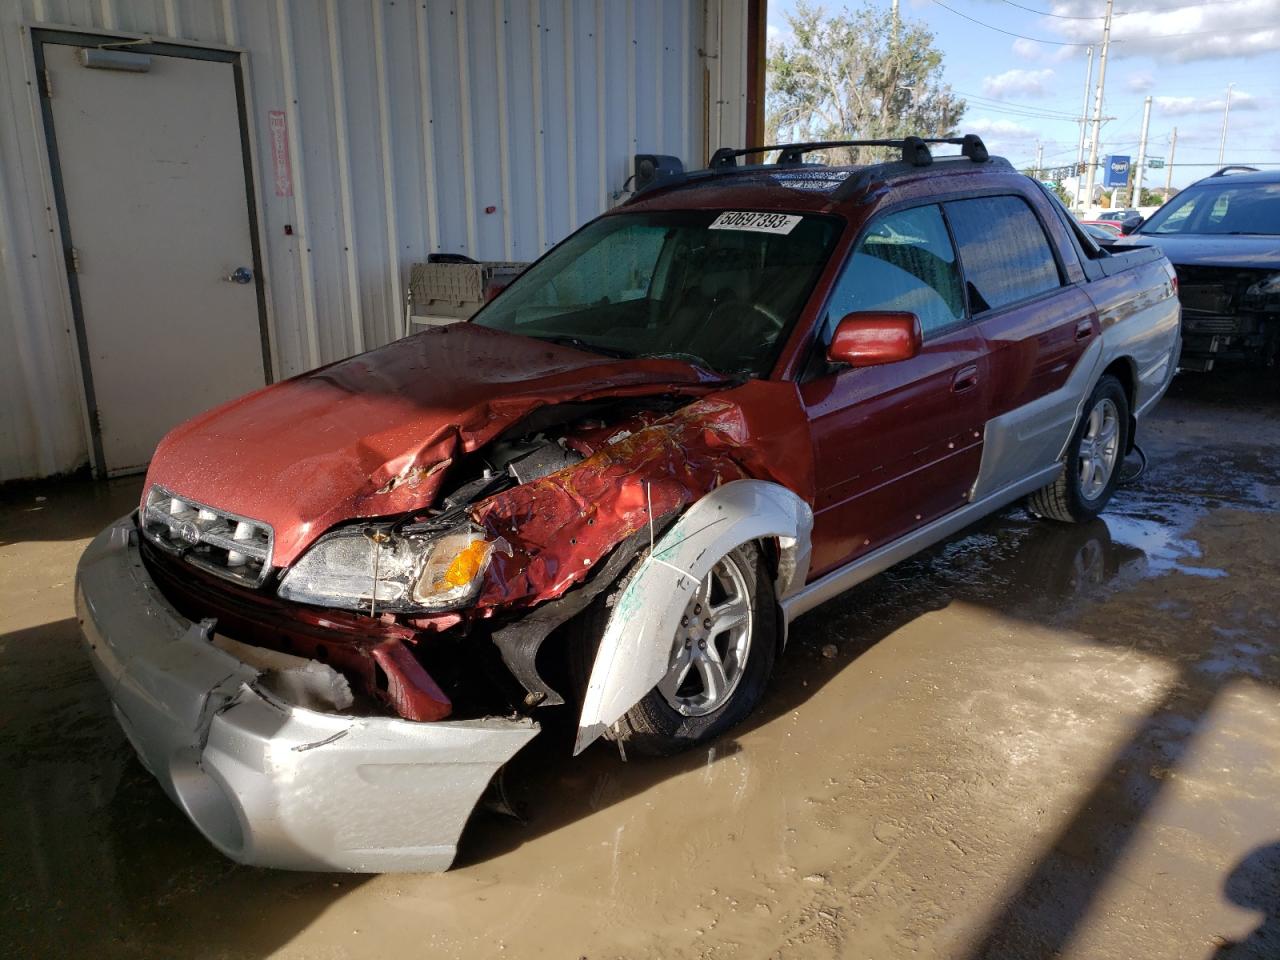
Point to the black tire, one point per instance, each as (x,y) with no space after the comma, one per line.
(655,727)
(1070,498)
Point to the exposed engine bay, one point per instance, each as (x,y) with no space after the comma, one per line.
(372,631)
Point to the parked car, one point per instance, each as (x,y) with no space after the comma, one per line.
(344,598)
(1106,234)
(1222,234)
(1127,220)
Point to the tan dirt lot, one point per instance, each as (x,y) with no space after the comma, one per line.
(1031,741)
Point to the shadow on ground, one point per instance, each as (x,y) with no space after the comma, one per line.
(95,857)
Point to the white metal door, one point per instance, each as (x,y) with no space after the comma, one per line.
(152,174)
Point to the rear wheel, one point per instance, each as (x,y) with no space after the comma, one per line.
(1094,455)
(719,664)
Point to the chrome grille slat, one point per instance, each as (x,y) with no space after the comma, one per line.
(225,544)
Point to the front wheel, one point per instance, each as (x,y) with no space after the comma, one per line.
(1094,455)
(720,660)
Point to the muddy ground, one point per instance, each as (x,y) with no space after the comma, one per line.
(1031,741)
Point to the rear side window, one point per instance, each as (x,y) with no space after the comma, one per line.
(905,261)
(1004,250)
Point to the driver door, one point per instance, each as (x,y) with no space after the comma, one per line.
(897,446)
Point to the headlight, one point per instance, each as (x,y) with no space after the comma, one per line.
(372,568)
(1266,287)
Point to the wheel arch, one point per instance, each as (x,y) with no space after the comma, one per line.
(1125,369)
(635,648)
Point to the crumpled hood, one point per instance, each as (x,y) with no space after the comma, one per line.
(369,436)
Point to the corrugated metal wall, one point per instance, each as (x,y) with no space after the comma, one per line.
(406,120)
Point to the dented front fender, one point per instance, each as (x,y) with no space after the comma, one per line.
(635,650)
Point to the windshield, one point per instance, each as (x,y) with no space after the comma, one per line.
(717,288)
(1219,209)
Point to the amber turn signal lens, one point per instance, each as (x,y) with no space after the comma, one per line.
(466,565)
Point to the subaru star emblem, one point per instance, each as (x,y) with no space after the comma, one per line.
(189,532)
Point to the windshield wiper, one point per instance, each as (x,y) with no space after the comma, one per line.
(578,344)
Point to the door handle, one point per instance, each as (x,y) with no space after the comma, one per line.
(966,378)
(1084,329)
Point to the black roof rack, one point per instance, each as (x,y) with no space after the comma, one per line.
(653,172)
(915,150)
(1229,169)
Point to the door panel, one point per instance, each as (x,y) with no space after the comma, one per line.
(896,446)
(1035,347)
(152,174)
(1036,330)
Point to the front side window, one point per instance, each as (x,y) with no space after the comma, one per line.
(1004,250)
(1219,209)
(718,288)
(905,261)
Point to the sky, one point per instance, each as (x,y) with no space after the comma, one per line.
(1023,90)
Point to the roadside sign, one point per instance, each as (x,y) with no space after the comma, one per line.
(1116,171)
(1155,163)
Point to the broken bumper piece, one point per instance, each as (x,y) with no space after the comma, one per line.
(269,783)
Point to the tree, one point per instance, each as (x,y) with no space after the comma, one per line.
(864,75)
(1055,185)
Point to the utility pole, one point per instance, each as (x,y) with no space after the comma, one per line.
(1084,123)
(1226,112)
(1097,102)
(1039,158)
(1168,170)
(1135,196)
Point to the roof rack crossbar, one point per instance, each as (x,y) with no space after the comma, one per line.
(915,150)
(1234,166)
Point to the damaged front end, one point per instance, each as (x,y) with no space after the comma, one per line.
(267,781)
(341,699)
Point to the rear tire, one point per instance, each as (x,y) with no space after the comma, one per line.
(1092,469)
(718,673)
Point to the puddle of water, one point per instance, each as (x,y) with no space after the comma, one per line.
(1165,547)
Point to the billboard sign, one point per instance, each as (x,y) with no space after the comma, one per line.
(1116,171)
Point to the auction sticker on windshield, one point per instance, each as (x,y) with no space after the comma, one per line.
(759,222)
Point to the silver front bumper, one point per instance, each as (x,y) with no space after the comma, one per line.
(269,783)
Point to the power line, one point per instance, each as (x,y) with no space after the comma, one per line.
(996,102)
(1120,13)
(1010,33)
(1046,13)
(1071,43)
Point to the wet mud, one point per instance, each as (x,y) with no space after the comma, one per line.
(1031,741)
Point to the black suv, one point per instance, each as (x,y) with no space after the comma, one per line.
(1222,234)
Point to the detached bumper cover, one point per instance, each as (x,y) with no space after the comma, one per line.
(268,783)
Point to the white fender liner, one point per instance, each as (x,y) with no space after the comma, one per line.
(636,647)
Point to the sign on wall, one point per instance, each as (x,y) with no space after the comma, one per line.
(281,168)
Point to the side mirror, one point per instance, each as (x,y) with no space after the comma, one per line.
(872,337)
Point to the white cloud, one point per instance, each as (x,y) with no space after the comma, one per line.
(1179,31)
(1024,83)
(1140,82)
(1036,52)
(1028,49)
(1002,130)
(1182,106)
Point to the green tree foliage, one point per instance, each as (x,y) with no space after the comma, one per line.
(861,74)
(1055,185)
